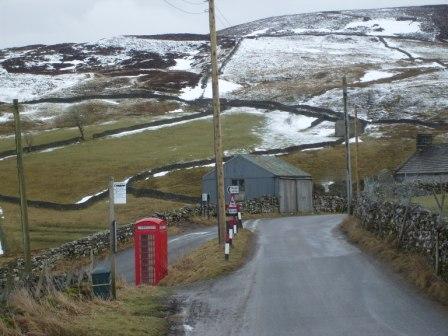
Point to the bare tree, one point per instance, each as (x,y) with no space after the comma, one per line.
(29,140)
(78,119)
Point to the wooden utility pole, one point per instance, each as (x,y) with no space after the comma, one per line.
(358,188)
(221,202)
(2,234)
(22,189)
(347,148)
(113,238)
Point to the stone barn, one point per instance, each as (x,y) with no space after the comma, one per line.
(428,164)
(259,176)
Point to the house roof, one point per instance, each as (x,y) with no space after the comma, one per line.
(431,160)
(275,166)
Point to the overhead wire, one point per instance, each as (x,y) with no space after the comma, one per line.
(223,16)
(194,3)
(183,10)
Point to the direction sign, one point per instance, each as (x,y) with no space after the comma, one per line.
(233,190)
(119,192)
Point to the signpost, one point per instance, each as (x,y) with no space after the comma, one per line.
(233,190)
(233,207)
(117,195)
(120,192)
(232,210)
(205,205)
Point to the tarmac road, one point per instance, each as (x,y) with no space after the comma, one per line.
(178,246)
(306,279)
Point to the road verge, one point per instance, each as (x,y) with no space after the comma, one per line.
(413,266)
(207,262)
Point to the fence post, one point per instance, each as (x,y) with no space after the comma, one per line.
(437,252)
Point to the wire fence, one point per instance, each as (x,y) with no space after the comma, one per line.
(431,194)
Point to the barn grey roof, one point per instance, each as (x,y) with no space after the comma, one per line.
(431,160)
(275,166)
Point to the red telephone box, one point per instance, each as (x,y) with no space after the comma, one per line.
(151,251)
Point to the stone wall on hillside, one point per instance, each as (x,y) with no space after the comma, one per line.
(412,227)
(99,242)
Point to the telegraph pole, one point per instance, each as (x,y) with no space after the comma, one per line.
(347,148)
(113,238)
(221,206)
(2,234)
(358,188)
(22,189)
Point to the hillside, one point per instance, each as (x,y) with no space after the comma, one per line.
(294,59)
(145,100)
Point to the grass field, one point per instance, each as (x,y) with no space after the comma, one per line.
(184,182)
(50,228)
(326,164)
(59,134)
(48,116)
(68,174)
(430,203)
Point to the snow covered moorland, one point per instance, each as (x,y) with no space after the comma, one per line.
(395,60)
(42,71)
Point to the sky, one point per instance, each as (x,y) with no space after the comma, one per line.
(24,22)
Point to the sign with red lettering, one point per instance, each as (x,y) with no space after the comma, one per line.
(233,208)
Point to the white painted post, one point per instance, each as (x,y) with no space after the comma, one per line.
(235,229)
(226,251)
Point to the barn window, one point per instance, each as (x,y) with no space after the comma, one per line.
(239,183)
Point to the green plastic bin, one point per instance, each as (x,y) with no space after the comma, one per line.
(101,284)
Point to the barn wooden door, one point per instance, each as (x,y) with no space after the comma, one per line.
(304,196)
(288,195)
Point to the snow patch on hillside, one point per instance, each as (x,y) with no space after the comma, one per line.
(27,87)
(193,93)
(182,64)
(257,32)
(283,129)
(374,75)
(386,27)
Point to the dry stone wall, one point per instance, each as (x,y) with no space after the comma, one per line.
(412,227)
(329,204)
(99,242)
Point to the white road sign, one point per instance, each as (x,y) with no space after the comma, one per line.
(120,192)
(233,189)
